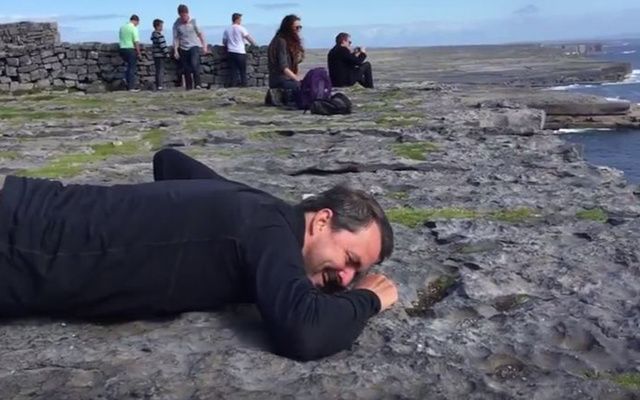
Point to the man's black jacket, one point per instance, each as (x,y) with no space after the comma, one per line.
(190,241)
(343,65)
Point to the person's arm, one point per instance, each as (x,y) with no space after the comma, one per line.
(176,42)
(136,41)
(283,60)
(200,36)
(352,58)
(247,37)
(170,164)
(303,323)
(163,45)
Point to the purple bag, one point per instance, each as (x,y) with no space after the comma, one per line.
(315,85)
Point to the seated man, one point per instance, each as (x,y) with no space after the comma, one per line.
(346,67)
(195,241)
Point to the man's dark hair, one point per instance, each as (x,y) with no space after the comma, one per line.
(157,23)
(183,9)
(235,17)
(134,18)
(353,210)
(342,36)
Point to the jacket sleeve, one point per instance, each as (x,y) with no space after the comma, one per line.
(170,164)
(351,58)
(282,54)
(303,322)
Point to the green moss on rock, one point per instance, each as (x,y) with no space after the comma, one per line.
(415,150)
(594,214)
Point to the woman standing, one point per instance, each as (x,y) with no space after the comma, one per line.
(285,54)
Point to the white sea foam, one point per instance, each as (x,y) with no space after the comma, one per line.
(629,52)
(574,86)
(580,130)
(633,77)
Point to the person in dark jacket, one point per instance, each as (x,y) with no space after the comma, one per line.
(348,67)
(285,53)
(195,241)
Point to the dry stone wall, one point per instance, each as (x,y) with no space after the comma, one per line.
(23,33)
(39,64)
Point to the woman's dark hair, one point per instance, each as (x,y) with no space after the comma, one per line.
(353,210)
(294,43)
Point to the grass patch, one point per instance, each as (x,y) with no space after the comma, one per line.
(283,152)
(398,121)
(263,135)
(73,164)
(595,214)
(209,120)
(82,102)
(399,195)
(8,113)
(9,155)
(414,151)
(628,380)
(414,217)
(155,138)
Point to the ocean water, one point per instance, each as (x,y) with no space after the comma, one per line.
(615,148)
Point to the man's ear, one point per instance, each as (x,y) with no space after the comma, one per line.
(321,220)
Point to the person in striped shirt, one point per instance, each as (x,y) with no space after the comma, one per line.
(160,52)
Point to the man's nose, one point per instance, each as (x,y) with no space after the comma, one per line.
(346,276)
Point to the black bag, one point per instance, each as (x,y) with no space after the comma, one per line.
(337,104)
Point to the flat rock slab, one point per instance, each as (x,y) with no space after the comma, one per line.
(517,262)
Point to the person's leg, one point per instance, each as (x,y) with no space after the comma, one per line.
(133,69)
(233,69)
(195,65)
(170,164)
(186,69)
(133,63)
(366,75)
(125,58)
(157,62)
(242,67)
(292,88)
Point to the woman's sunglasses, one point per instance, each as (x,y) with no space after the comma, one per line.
(298,28)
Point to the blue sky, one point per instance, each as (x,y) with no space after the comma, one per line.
(371,23)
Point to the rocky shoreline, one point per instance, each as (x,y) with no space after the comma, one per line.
(517,262)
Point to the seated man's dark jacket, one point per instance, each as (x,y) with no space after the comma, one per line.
(190,241)
(343,66)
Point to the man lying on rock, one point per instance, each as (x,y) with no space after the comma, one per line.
(194,241)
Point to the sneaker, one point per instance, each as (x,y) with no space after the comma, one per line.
(134,90)
(160,88)
(198,87)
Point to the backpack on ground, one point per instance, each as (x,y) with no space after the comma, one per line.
(337,104)
(315,85)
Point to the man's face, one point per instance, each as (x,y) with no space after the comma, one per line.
(341,254)
(184,17)
(347,42)
(134,22)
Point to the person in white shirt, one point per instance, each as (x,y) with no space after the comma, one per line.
(234,39)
